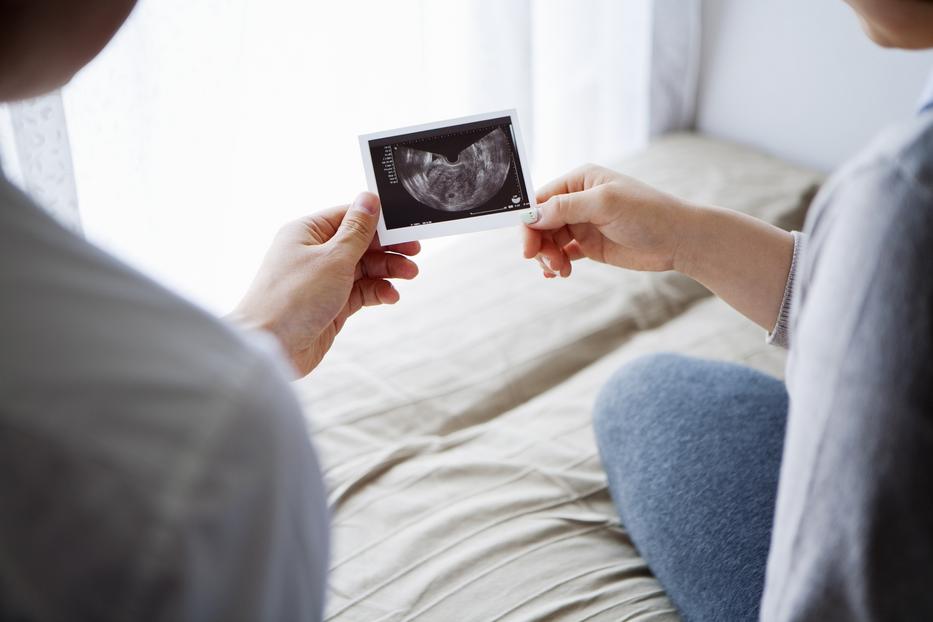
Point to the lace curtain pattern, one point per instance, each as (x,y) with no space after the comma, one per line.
(37,156)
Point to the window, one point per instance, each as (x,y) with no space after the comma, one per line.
(206,124)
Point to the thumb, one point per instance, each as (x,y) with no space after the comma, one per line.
(358,226)
(567,209)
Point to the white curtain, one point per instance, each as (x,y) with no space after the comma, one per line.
(36,153)
(206,124)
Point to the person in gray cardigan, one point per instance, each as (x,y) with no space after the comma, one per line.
(748,497)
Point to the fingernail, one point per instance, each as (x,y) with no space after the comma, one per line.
(545,266)
(366,202)
(531,216)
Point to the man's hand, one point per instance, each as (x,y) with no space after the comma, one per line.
(319,271)
(603,215)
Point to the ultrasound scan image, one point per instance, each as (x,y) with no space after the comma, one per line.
(450,172)
(467,181)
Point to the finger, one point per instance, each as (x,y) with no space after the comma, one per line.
(546,269)
(552,255)
(531,242)
(404,248)
(358,227)
(577,180)
(371,292)
(569,209)
(551,269)
(566,269)
(562,237)
(573,251)
(380,265)
(314,228)
(570,182)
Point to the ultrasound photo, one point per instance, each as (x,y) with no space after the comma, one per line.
(474,176)
(448,173)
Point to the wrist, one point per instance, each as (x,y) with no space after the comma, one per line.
(250,321)
(253,323)
(689,223)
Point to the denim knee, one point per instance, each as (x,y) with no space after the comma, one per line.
(692,451)
(634,394)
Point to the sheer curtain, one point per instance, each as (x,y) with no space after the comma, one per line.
(205,124)
(36,153)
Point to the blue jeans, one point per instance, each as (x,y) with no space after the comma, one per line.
(692,451)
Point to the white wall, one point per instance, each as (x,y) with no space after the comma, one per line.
(799,79)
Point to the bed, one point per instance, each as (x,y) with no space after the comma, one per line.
(454,429)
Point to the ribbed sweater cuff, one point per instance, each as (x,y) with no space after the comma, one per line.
(780,334)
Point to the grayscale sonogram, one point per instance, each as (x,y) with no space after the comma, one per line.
(467,181)
(447,172)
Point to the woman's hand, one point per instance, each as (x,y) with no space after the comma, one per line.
(319,271)
(603,215)
(597,213)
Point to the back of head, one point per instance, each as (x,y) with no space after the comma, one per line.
(43,43)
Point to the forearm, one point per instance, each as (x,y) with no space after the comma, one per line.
(743,260)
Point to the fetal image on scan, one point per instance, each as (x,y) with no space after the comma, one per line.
(465,182)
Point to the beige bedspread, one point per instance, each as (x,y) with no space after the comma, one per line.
(454,428)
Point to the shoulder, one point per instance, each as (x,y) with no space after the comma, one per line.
(882,198)
(903,151)
(72,315)
(908,149)
(149,423)
(907,146)
(864,285)
(88,341)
